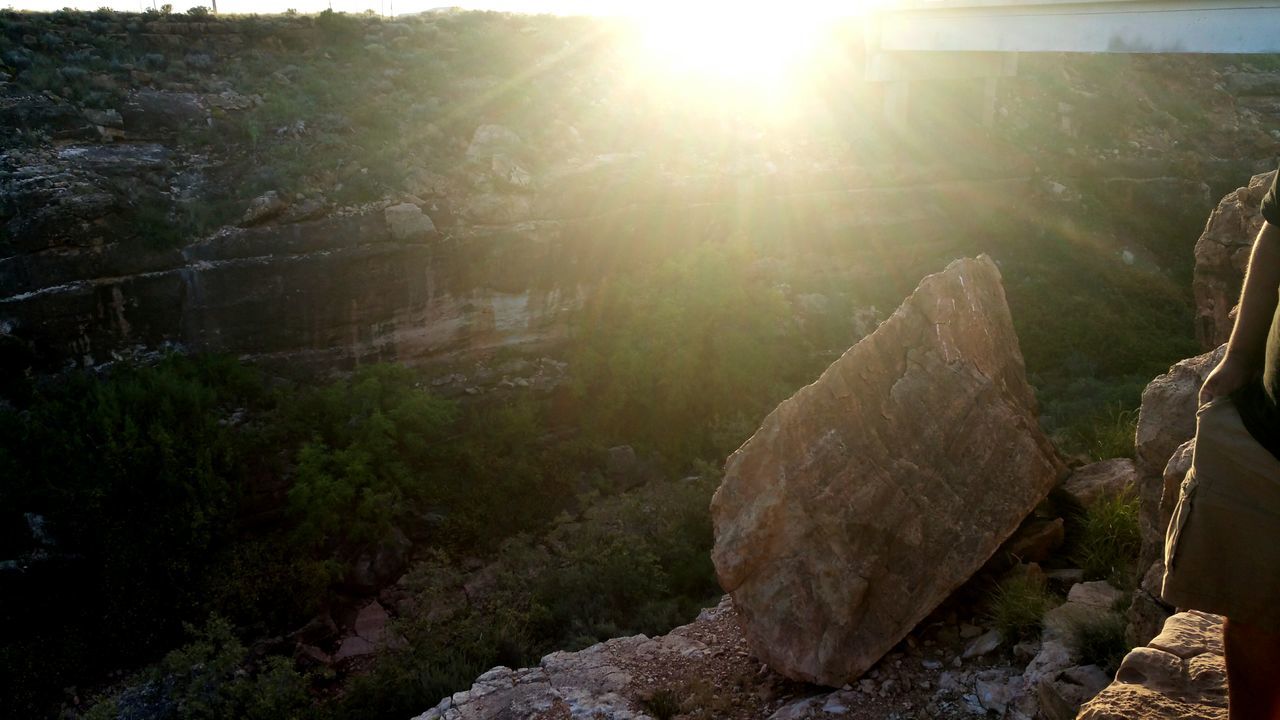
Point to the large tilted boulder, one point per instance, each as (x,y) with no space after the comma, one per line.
(1222,253)
(866,498)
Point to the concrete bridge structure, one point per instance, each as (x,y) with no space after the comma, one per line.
(918,39)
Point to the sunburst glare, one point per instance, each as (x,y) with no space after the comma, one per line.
(750,56)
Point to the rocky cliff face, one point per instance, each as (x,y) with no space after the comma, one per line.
(868,497)
(323,293)
(162,180)
(357,287)
(1222,254)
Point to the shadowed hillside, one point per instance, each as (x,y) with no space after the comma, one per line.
(345,358)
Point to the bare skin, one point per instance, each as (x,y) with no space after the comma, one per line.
(1252,654)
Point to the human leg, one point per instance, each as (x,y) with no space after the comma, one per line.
(1253,671)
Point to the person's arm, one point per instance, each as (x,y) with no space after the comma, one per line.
(1247,347)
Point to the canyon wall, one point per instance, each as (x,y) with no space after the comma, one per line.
(165,183)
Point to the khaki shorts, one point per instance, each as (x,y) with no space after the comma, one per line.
(1222,549)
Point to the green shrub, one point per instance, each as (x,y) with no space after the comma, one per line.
(637,562)
(137,475)
(666,357)
(211,677)
(375,439)
(1016,606)
(1100,640)
(664,704)
(1108,541)
(1101,435)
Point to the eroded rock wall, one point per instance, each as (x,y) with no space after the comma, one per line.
(384,282)
(1222,254)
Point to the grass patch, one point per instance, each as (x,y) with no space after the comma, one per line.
(1100,641)
(1103,435)
(664,704)
(1016,606)
(1109,540)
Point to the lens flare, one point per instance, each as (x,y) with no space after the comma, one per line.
(749,56)
(733,46)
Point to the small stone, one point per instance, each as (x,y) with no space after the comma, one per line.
(1098,594)
(263,208)
(1065,577)
(995,691)
(983,644)
(104,118)
(1026,650)
(1099,480)
(406,222)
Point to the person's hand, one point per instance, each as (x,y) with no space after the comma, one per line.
(1230,375)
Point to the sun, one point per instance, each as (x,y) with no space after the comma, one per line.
(722,42)
(745,56)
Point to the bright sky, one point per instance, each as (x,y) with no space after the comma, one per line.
(565,7)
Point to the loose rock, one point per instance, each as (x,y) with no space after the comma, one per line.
(849,485)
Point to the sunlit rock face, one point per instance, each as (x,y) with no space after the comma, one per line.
(406,279)
(869,496)
(1222,253)
(1166,422)
(1180,675)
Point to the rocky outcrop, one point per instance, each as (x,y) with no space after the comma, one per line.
(1179,675)
(83,283)
(947,668)
(1222,253)
(869,496)
(1101,480)
(1166,421)
(325,293)
(611,679)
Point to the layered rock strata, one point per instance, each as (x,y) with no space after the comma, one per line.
(439,275)
(1179,675)
(869,496)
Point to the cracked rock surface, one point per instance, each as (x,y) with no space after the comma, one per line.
(868,497)
(1179,675)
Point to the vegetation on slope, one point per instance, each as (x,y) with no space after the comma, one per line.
(205,493)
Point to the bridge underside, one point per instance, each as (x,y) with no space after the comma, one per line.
(1111,26)
(937,39)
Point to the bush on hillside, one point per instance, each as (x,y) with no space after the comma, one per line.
(1100,640)
(666,357)
(137,475)
(212,677)
(1108,540)
(1017,605)
(638,562)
